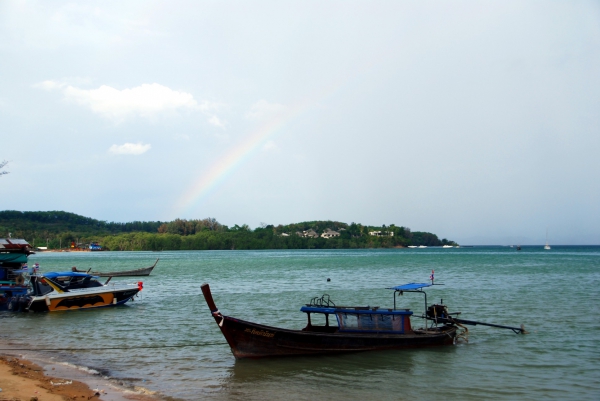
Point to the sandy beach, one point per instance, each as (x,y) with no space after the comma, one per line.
(23,380)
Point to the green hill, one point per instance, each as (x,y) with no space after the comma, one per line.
(58,229)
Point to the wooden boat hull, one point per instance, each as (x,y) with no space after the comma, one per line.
(145,271)
(252,340)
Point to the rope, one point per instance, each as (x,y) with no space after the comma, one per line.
(464,335)
(105,348)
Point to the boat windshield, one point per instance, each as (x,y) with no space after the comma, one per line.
(373,322)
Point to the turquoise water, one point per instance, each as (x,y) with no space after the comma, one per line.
(554,293)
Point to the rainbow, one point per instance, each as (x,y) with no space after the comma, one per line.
(206,184)
(233,159)
(226,165)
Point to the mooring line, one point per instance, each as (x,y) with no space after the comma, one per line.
(104,348)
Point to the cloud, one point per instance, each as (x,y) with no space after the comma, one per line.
(129,149)
(146,100)
(263,109)
(214,120)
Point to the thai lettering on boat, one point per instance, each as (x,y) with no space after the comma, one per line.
(263,333)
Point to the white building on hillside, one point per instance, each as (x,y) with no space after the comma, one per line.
(328,233)
(381,233)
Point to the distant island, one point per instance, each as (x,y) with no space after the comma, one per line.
(56,230)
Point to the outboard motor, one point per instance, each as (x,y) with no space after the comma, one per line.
(23,303)
(18,303)
(437,311)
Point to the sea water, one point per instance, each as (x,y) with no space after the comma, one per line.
(167,341)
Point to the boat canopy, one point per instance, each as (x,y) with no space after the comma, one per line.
(13,257)
(52,275)
(410,286)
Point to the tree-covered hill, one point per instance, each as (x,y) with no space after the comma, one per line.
(56,222)
(57,229)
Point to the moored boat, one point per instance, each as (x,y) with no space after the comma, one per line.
(13,269)
(355,329)
(58,291)
(95,247)
(145,271)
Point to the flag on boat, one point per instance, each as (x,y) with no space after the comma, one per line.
(431,276)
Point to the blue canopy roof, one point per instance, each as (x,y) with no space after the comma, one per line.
(65,274)
(410,286)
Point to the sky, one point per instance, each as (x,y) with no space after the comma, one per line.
(475,120)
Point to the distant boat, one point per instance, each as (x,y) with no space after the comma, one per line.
(412,246)
(518,247)
(446,246)
(145,271)
(547,247)
(94,246)
(422,246)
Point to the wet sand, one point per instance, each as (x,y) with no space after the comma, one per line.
(23,380)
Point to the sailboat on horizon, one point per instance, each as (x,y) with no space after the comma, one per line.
(547,246)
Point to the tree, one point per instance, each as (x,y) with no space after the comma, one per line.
(2,164)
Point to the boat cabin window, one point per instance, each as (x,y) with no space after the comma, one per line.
(321,319)
(83,282)
(394,323)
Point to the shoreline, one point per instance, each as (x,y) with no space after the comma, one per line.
(25,377)
(24,380)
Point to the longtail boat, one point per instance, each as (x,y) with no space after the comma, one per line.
(145,271)
(357,328)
